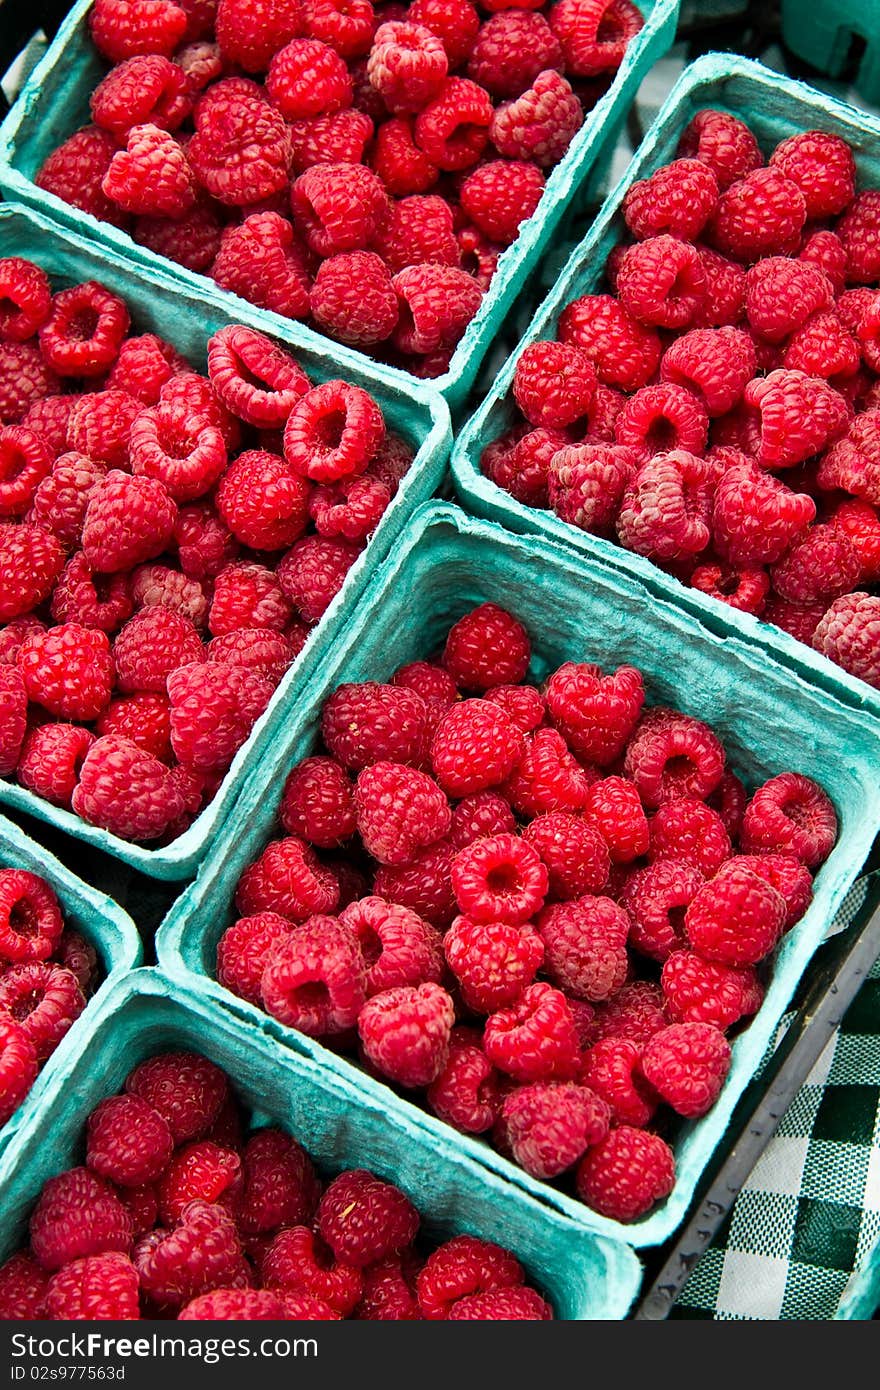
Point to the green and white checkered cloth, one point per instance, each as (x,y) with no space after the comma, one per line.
(807,1217)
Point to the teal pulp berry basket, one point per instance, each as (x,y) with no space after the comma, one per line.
(575,608)
(840,38)
(179,314)
(585,1277)
(775,108)
(55,102)
(861,1298)
(103,923)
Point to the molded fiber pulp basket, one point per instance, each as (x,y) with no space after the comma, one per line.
(339,1125)
(575,609)
(861,1301)
(181,315)
(55,102)
(775,108)
(835,36)
(110,930)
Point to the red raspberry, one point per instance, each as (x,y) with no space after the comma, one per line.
(45,999)
(22,1289)
(554,384)
(853,462)
(400,164)
(247,595)
(662,418)
(68,670)
(60,501)
(689,830)
(100,424)
(540,124)
(724,143)
(30,918)
(245,1305)
(405,1033)
(672,755)
(14,634)
(424,884)
(686,1064)
(857,230)
(500,195)
(280,1184)
(367,723)
(479,816)
(353,299)
(467,1093)
(499,879)
(351,508)
(511,50)
(407,66)
(159,586)
(461,1268)
(201,1171)
(265,262)
(574,852)
(399,811)
(250,32)
(745,589)
(151,176)
(307,78)
(822,167)
(96,1288)
(791,815)
(535,1039)
(187,1090)
(80,958)
(318,803)
(594,34)
(186,454)
(152,645)
(678,198)
(661,282)
(333,432)
(145,90)
(614,808)
(415,231)
(524,705)
(341,136)
(245,949)
(435,304)
(84,331)
(755,518)
(298,1261)
(587,483)
(453,128)
(634,1013)
(126,790)
(75,170)
(128,520)
(253,377)
(715,364)
(25,381)
(204,545)
(702,991)
(338,207)
(128,1141)
(312,573)
(18,1066)
(666,508)
(13,717)
(513,1305)
(89,599)
(315,979)
(520,463)
(435,686)
(585,946)
(51,761)
(192,240)
(825,249)
(77,1215)
(736,919)
(26,297)
(388,1295)
(364,1220)
(202,1253)
(49,415)
(724,293)
(492,961)
(455,22)
(476,745)
(124,28)
(610,1070)
(656,897)
(397,947)
(487,647)
(549,1127)
(760,215)
(624,1175)
(595,713)
(213,709)
(201,397)
(262,503)
(781,294)
(240,151)
(625,353)
(821,565)
(729,800)
(258,649)
(849,633)
(145,718)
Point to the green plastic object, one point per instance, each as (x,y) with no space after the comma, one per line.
(102,922)
(840,38)
(180,314)
(55,102)
(775,108)
(575,608)
(339,1125)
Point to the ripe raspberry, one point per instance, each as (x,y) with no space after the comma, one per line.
(463,1267)
(25,381)
(204,545)
(84,331)
(51,760)
(554,384)
(45,999)
(614,808)
(240,151)
(151,645)
(487,647)
(820,565)
(626,1174)
(202,1253)
(213,709)
(715,364)
(499,879)
(258,649)
(399,811)
(701,991)
(825,249)
(824,347)
(253,377)
(574,852)
(145,90)
(96,1288)
(49,415)
(187,1090)
(13,634)
(77,1215)
(247,595)
(61,500)
(18,1066)
(68,670)
(594,34)
(128,520)
(30,918)
(822,167)
(332,432)
(737,918)
(686,1064)
(635,1013)
(100,425)
(610,1070)
(186,454)
(849,634)
(781,294)
(853,462)
(679,199)
(192,240)
(297,1260)
(151,177)
(128,1141)
(500,195)
(595,713)
(511,50)
(122,29)
(245,949)
(22,1289)
(250,32)
(74,172)
(24,462)
(202,1171)
(351,508)
(405,1033)
(585,946)
(280,1184)
(520,461)
(424,884)
(318,803)
(724,143)
(338,207)
(857,230)
(540,124)
(312,573)
(791,815)
(453,128)
(467,1093)
(760,215)
(79,957)
(587,483)
(353,299)
(26,296)
(455,22)
(126,790)
(91,600)
(401,165)
(666,508)
(535,1039)
(315,980)
(307,78)
(435,304)
(367,723)
(13,717)
(549,1127)
(663,418)
(415,231)
(492,961)
(656,898)
(407,66)
(160,586)
(244,1305)
(625,353)
(397,947)
(512,1305)
(475,746)
(364,1220)
(478,816)
(264,261)
(661,282)
(755,518)
(689,830)
(745,589)
(672,755)
(340,137)
(262,503)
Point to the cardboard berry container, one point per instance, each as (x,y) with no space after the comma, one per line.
(103,923)
(55,102)
(340,1126)
(575,608)
(835,35)
(180,315)
(775,108)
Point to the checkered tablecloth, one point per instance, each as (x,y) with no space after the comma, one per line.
(807,1217)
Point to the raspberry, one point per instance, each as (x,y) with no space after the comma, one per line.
(126,790)
(549,1127)
(594,34)
(849,633)
(755,518)
(250,32)
(247,595)
(245,949)
(455,22)
(159,586)
(585,946)
(351,508)
(77,1215)
(257,649)
(499,879)
(98,1287)
(540,124)
(387,1292)
(13,718)
(22,1289)
(201,1171)
(407,66)
(397,947)
(353,299)
(338,207)
(661,281)
(280,1184)
(689,830)
(625,353)
(340,137)
(478,816)
(781,294)
(416,231)
(240,1305)
(791,815)
(662,418)
(68,670)
(214,706)
(435,304)
(686,1064)
(25,381)
(75,170)
(49,415)
(857,230)
(261,502)
(192,240)
(635,1013)
(475,746)
(287,878)
(61,499)
(364,1220)
(187,455)
(666,508)
(84,331)
(656,897)
(91,600)
(399,811)
(466,1094)
(144,90)
(204,545)
(535,1039)
(128,1141)
(678,198)
(853,462)
(744,589)
(595,713)
(715,364)
(264,261)
(100,426)
(453,128)
(825,249)
(487,647)
(610,1070)
(492,961)
(202,397)
(14,634)
(520,463)
(312,573)
(587,483)
(737,918)
(701,991)
(124,28)
(672,755)
(368,723)
(759,215)
(152,645)
(463,1267)
(424,884)
(240,151)
(318,803)
(187,1090)
(45,999)
(128,520)
(347,27)
(51,760)
(151,176)
(308,78)
(614,808)
(513,1305)
(400,164)
(145,718)
(500,195)
(298,1261)
(201,1253)
(511,50)
(332,432)
(30,918)
(574,852)
(253,377)
(626,1174)
(405,1032)
(724,143)
(18,1066)
(554,384)
(820,565)
(822,167)
(26,297)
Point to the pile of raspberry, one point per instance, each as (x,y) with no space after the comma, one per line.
(717,409)
(47,972)
(355,166)
(167,542)
(178,1212)
(540,907)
